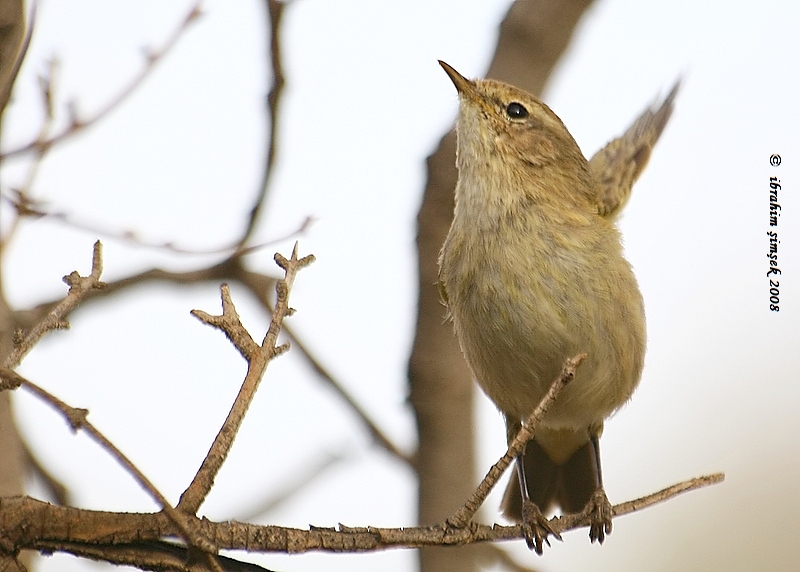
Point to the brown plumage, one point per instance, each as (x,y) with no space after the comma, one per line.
(533,273)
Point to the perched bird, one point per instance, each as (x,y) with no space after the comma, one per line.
(532,272)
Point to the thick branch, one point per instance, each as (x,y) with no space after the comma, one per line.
(28,523)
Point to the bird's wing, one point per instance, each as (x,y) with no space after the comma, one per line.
(617,165)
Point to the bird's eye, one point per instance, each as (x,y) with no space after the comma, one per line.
(516,110)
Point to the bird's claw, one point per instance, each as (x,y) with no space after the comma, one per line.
(536,527)
(599,511)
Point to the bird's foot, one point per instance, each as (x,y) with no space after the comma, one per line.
(599,511)
(536,527)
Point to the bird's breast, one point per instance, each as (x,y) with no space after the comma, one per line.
(525,299)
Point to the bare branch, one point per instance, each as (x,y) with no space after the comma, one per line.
(230,269)
(275,13)
(254,282)
(258,358)
(572,521)
(77,124)
(258,284)
(79,287)
(77,419)
(466,512)
(26,206)
(28,522)
(148,555)
(230,324)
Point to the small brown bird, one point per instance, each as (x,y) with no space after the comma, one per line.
(533,273)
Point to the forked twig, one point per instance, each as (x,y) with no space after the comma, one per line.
(79,287)
(258,358)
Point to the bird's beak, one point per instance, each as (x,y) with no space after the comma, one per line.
(464,86)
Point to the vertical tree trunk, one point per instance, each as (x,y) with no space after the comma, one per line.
(12,465)
(533,36)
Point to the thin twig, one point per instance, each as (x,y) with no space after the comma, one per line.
(77,420)
(145,555)
(466,512)
(258,284)
(571,521)
(230,324)
(77,125)
(277,496)
(230,269)
(254,283)
(377,434)
(258,359)
(79,287)
(25,205)
(275,13)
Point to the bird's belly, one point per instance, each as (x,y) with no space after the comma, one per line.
(516,338)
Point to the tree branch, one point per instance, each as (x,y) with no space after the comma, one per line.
(40,145)
(258,358)
(258,284)
(275,13)
(77,419)
(79,288)
(29,522)
(466,512)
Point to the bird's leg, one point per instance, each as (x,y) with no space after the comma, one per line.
(598,509)
(534,524)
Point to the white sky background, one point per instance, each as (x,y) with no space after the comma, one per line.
(365,103)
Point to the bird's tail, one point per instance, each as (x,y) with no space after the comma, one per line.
(569,485)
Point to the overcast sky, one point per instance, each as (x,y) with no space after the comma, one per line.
(365,103)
